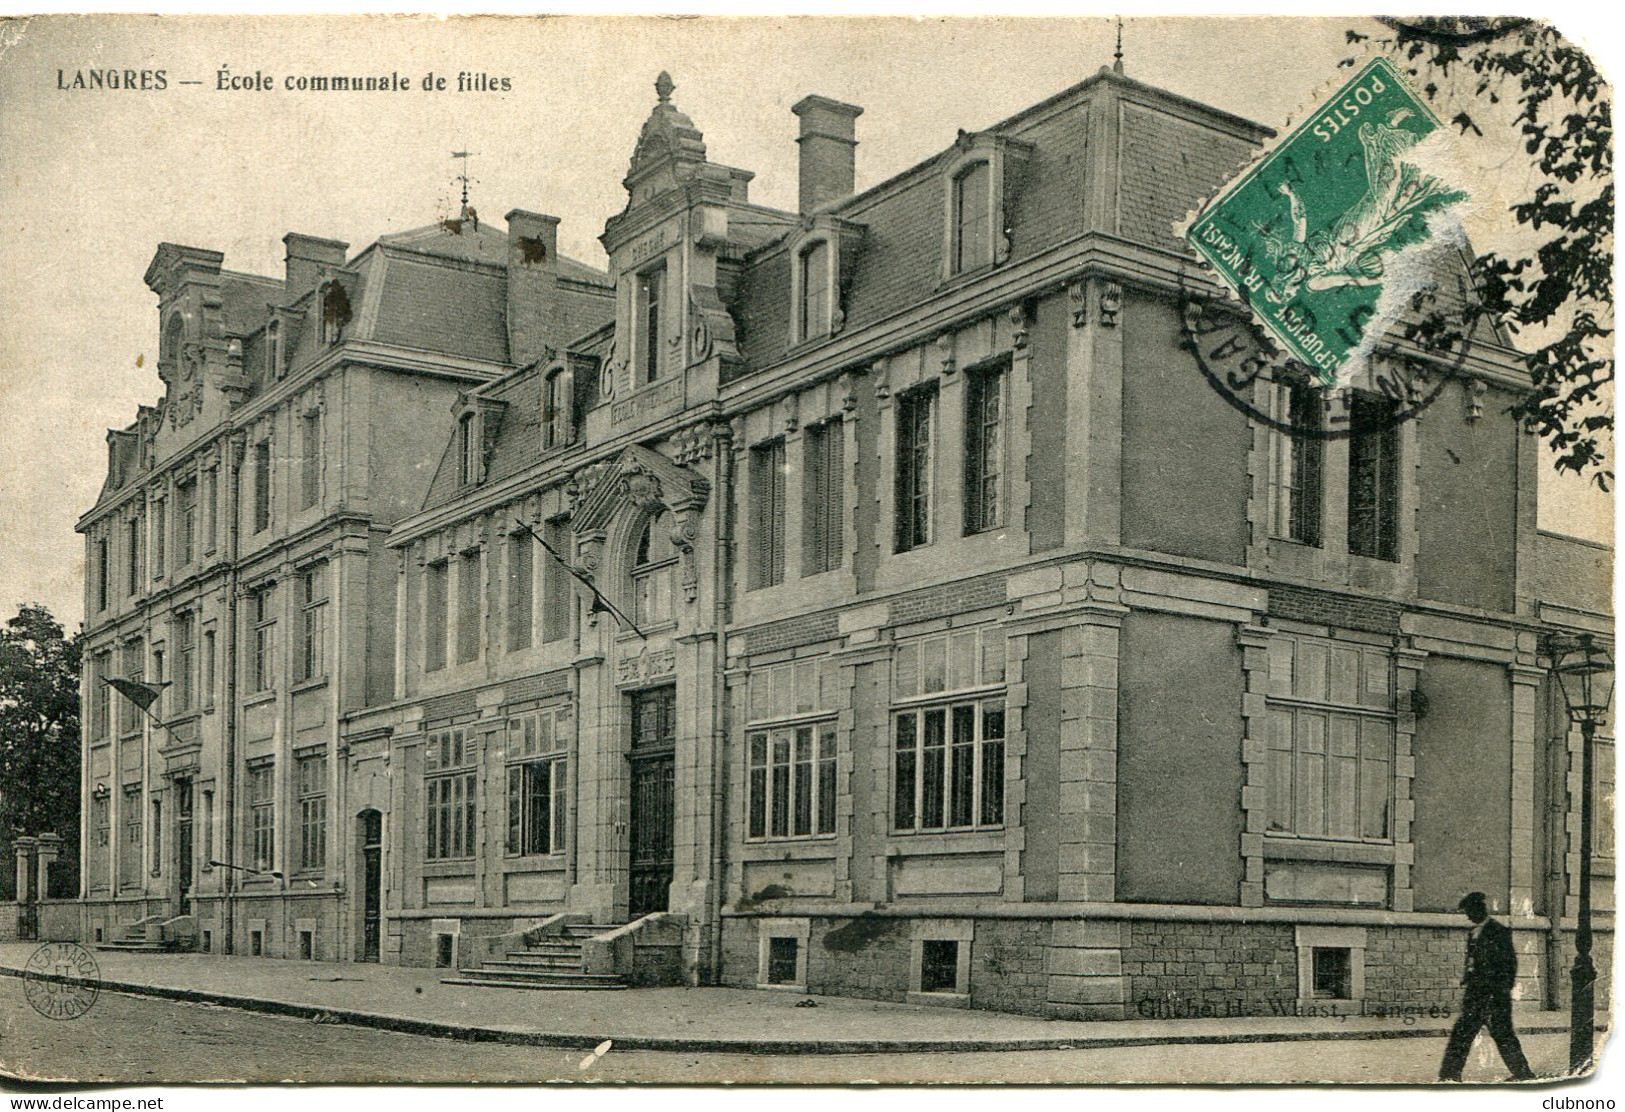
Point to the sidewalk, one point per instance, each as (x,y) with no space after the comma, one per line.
(721,1020)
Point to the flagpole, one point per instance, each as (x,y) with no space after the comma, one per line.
(598,597)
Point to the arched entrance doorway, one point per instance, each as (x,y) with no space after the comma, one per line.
(370,835)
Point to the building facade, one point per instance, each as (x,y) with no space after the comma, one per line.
(949,637)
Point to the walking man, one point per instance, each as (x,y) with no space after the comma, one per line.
(1492,966)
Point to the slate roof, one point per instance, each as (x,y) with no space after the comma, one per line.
(1169,165)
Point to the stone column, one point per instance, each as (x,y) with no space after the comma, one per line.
(50,848)
(25,849)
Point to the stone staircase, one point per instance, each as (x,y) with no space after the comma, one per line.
(155,934)
(549,962)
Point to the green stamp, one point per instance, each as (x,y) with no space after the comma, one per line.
(1307,236)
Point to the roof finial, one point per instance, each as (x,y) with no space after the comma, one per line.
(1117,59)
(664,86)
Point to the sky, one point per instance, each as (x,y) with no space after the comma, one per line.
(93,181)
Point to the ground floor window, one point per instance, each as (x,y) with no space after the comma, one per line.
(537,806)
(792,781)
(948,766)
(450,793)
(312,775)
(262,816)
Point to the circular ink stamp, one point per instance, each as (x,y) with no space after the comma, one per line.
(61,980)
(1233,353)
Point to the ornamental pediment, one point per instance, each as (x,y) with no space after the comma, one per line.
(640,478)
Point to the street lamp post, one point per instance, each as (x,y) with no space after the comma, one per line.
(1585,672)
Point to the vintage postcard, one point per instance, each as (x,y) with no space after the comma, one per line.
(806,550)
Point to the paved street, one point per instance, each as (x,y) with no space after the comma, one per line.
(145,1040)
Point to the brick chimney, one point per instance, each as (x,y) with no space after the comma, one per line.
(304,259)
(533,285)
(828,143)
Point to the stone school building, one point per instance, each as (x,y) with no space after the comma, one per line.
(872,599)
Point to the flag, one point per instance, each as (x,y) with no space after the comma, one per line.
(141,694)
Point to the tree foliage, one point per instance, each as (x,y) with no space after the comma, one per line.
(39,731)
(1559,296)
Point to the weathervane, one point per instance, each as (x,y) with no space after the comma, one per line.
(1117,62)
(463,177)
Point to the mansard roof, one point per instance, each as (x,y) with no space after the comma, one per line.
(1174,151)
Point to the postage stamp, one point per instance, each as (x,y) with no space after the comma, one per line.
(1307,236)
(62,980)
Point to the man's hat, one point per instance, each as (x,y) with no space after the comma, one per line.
(1473,899)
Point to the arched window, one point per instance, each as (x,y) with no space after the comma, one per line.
(812,315)
(335,312)
(972,218)
(653,561)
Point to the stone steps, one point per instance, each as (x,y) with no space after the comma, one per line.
(552,962)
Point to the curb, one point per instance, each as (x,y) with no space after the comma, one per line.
(468,1033)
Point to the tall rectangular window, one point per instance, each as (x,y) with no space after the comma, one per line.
(984,450)
(208,825)
(310,470)
(949,736)
(1296,462)
(207,683)
(101,822)
(538,783)
(767,513)
(1329,745)
(157,836)
(135,668)
(558,588)
(792,781)
(262,486)
(160,705)
(972,218)
(312,622)
(437,616)
(134,572)
(185,661)
(1373,477)
(823,498)
(310,772)
(915,410)
(262,646)
(813,316)
(449,793)
(103,574)
(98,695)
(470,592)
(129,857)
(211,508)
(651,293)
(262,816)
(186,522)
(160,538)
(521,594)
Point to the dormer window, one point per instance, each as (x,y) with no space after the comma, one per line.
(814,272)
(972,217)
(558,408)
(273,349)
(650,298)
(980,176)
(468,449)
(335,312)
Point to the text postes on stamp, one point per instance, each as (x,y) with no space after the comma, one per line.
(61,980)
(1307,236)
